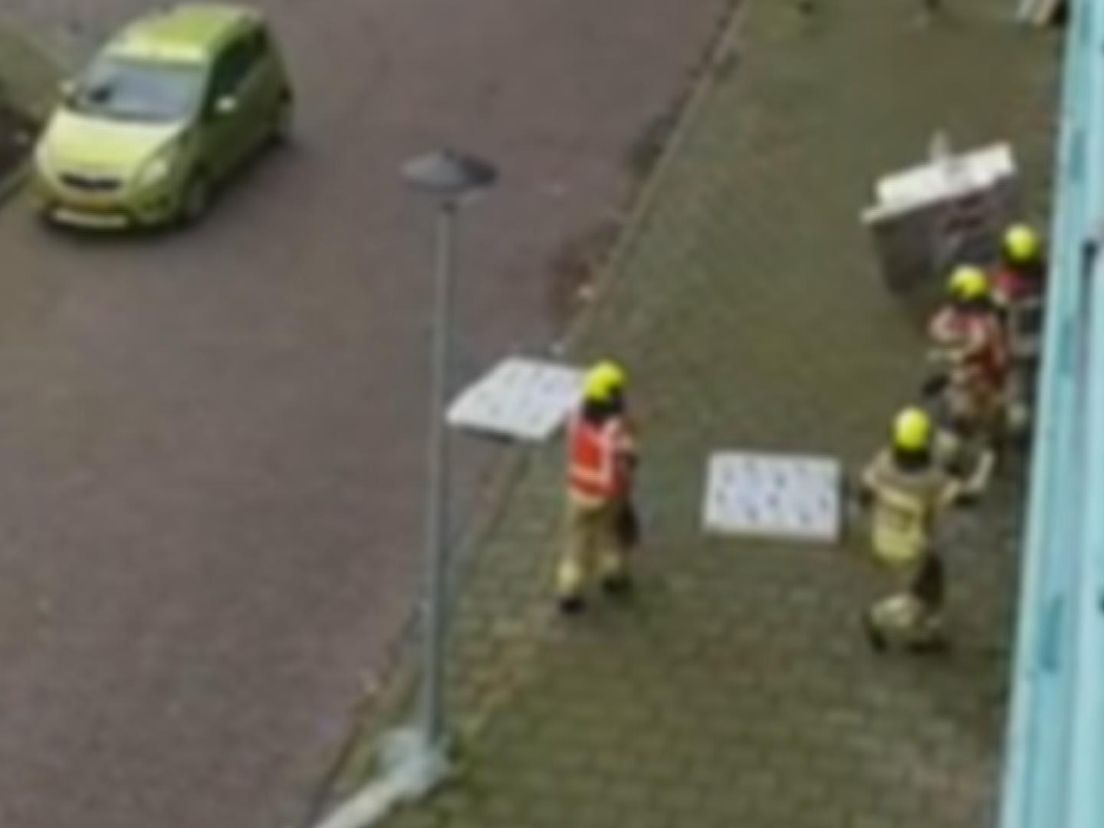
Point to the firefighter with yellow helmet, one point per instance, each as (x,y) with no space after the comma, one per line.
(601,461)
(907,488)
(1022,269)
(969,348)
(1019,283)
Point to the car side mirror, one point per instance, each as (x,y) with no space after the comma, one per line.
(226,105)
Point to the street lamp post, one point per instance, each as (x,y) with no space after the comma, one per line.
(413,760)
(451,178)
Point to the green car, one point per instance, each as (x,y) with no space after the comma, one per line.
(162,116)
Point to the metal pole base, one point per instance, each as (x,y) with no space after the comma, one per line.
(418,765)
(411,768)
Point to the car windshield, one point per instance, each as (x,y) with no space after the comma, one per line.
(134,90)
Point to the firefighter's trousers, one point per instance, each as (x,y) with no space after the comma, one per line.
(912,614)
(594,546)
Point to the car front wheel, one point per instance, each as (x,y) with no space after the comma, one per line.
(196,199)
(282,116)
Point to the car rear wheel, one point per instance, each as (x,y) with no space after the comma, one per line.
(196,200)
(282,116)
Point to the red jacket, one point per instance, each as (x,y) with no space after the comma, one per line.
(973,340)
(1012,285)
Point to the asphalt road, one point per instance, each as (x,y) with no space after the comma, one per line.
(211,443)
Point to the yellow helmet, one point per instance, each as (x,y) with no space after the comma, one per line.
(602,381)
(968,283)
(912,430)
(1021,244)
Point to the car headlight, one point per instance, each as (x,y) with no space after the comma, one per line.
(157,169)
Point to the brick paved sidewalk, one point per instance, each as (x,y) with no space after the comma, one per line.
(736,690)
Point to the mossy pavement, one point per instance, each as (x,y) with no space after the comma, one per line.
(28,83)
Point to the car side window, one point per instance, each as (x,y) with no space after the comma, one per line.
(233,67)
(261,42)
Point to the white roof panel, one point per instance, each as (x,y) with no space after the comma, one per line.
(524,399)
(783,496)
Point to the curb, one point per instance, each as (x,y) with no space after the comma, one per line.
(29,74)
(387,705)
(712,70)
(29,69)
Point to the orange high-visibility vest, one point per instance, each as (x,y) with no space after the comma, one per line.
(595,468)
